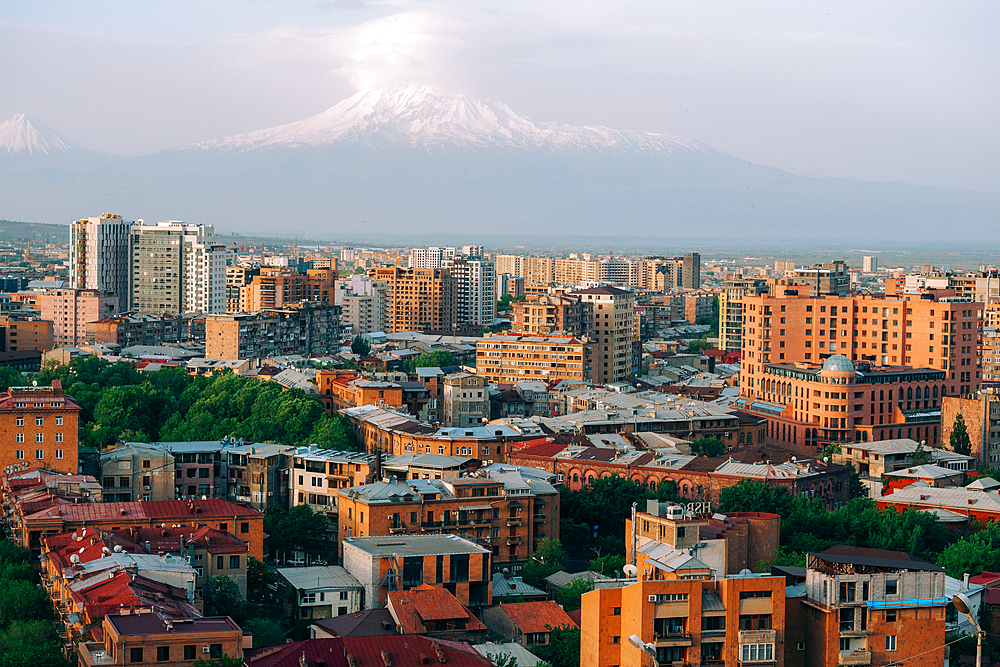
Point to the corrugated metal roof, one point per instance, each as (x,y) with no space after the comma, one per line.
(319,577)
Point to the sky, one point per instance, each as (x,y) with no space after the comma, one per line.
(884,91)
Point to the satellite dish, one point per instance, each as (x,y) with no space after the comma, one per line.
(630,571)
(745,572)
(34,383)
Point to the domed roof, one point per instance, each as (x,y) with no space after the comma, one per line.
(838,362)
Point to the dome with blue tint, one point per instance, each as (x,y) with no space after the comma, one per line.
(838,362)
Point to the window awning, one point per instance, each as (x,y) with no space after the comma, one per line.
(473,508)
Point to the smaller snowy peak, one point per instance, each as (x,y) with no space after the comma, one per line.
(421,116)
(24,134)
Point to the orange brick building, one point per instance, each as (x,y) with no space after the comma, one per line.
(508,359)
(418,299)
(729,622)
(18,333)
(924,329)
(873,607)
(279,287)
(808,405)
(38,429)
(150,638)
(70,310)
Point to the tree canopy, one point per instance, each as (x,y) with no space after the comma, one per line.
(959,440)
(117,402)
(549,558)
(434,359)
(360,346)
(563,649)
(708,447)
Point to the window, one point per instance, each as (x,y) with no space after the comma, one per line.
(215,651)
(59,454)
(343,595)
(20,455)
(800,646)
(135,655)
(890,642)
(756,652)
(59,421)
(59,437)
(39,437)
(145,464)
(617,639)
(891,586)
(308,598)
(162,653)
(890,616)
(220,562)
(755,622)
(245,527)
(20,421)
(224,527)
(189,652)
(618,611)
(413,571)
(39,421)
(203,472)
(39,454)
(234,562)
(459,570)
(746,595)
(20,437)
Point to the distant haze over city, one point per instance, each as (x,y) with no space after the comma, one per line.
(709,122)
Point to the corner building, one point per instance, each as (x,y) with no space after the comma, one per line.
(734,621)
(38,429)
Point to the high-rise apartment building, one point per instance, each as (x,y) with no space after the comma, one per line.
(417,299)
(509,359)
(691,271)
(432,257)
(308,329)
(553,313)
(99,256)
(731,311)
(475,290)
(237,278)
(833,279)
(177,267)
(869,264)
(275,287)
(614,328)
(508,284)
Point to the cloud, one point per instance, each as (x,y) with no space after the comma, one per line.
(340,4)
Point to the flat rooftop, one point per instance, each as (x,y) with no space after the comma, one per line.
(415,545)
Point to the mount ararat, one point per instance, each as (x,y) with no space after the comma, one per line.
(416,162)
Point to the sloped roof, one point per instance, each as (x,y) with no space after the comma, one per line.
(407,651)
(330,652)
(503,587)
(411,608)
(524,657)
(367,623)
(539,616)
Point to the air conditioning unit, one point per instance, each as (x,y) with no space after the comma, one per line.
(205,649)
(145,488)
(653,598)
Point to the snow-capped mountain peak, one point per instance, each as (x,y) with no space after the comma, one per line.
(420,116)
(24,134)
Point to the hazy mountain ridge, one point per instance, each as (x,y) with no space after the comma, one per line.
(413,160)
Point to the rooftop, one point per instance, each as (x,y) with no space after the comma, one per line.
(319,577)
(414,545)
(538,616)
(158,624)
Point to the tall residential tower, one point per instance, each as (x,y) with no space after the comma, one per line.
(99,256)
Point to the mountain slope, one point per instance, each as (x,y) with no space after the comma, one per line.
(418,116)
(27,135)
(415,162)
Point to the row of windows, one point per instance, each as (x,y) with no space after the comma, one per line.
(163,653)
(40,421)
(39,437)
(39,453)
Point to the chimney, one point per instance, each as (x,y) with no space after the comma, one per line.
(965,581)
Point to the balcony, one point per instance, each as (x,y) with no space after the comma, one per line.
(672,639)
(538,517)
(514,539)
(431,524)
(854,658)
(852,630)
(757,636)
(395,530)
(514,521)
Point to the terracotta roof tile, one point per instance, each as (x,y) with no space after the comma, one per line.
(537,616)
(415,606)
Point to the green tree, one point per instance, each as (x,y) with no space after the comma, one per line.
(434,359)
(855,488)
(563,649)
(22,601)
(699,346)
(336,432)
(549,558)
(222,596)
(12,554)
(708,447)
(259,576)
(31,644)
(608,565)
(959,440)
(224,660)
(569,595)
(921,455)
(360,346)
(973,554)
(754,496)
(502,659)
(265,632)
(295,528)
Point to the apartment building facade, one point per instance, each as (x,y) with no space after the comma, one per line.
(614,329)
(39,428)
(20,332)
(307,328)
(127,329)
(684,621)
(553,313)
(919,330)
(731,311)
(69,310)
(466,400)
(176,267)
(418,299)
(99,256)
(504,359)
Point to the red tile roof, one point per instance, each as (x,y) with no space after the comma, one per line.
(400,651)
(985,578)
(413,607)
(542,447)
(537,616)
(329,652)
(148,510)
